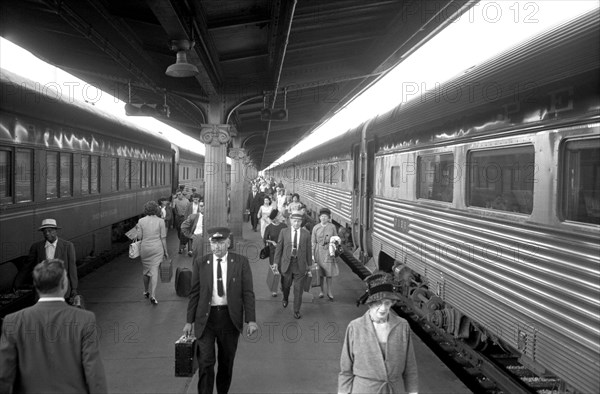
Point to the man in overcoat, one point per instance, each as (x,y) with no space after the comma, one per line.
(221,300)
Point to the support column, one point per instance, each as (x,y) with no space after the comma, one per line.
(215,137)
(238,196)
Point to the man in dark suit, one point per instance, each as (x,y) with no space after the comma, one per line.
(293,257)
(53,247)
(255,200)
(193,228)
(51,347)
(222,298)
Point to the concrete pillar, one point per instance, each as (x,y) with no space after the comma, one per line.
(238,197)
(215,137)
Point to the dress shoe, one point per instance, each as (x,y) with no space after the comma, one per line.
(146,294)
(153,301)
(321,295)
(284,303)
(330,297)
(274,294)
(297,315)
(190,253)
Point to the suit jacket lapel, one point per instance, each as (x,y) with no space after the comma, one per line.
(208,269)
(231,265)
(59,249)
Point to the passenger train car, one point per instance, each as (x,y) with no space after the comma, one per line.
(89,170)
(483,197)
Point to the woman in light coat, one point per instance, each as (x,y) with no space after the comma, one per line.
(377,354)
(152,231)
(328,266)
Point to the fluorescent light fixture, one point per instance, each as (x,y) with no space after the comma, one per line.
(56,81)
(485,30)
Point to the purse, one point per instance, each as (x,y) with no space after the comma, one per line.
(134,249)
(264,253)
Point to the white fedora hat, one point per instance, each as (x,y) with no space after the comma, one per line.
(48,223)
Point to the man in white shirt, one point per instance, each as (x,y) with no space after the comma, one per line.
(221,300)
(193,228)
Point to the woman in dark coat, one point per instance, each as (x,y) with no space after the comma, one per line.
(272,234)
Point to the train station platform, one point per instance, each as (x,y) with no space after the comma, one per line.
(286,356)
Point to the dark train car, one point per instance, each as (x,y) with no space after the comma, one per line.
(486,204)
(69,161)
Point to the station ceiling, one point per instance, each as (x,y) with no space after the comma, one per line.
(309,56)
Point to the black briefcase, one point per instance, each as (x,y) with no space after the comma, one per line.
(186,362)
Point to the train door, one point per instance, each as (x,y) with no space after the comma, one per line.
(174,168)
(364,164)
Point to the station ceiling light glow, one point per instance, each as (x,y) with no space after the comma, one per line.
(485,30)
(56,82)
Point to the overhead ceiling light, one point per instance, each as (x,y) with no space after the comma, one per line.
(181,68)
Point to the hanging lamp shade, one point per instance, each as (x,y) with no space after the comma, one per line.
(181,68)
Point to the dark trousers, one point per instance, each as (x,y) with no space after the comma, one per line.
(219,327)
(254,219)
(293,275)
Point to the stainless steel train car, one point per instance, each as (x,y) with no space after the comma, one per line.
(90,171)
(483,197)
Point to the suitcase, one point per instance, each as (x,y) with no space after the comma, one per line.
(183,281)
(316,278)
(307,283)
(166,271)
(186,362)
(273,279)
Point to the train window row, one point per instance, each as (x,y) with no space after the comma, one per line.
(17,174)
(185,173)
(503,179)
(324,174)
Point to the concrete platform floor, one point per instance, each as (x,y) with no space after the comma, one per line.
(286,356)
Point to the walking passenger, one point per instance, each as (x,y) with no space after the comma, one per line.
(70,361)
(193,228)
(153,233)
(390,367)
(328,266)
(180,205)
(253,204)
(272,235)
(53,247)
(222,298)
(293,257)
(263,214)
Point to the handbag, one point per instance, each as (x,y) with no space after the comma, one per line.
(166,270)
(134,249)
(264,253)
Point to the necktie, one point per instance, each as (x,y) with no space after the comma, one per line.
(220,290)
(295,244)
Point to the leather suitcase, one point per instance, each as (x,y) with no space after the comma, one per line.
(166,271)
(186,363)
(307,283)
(183,281)
(273,279)
(316,278)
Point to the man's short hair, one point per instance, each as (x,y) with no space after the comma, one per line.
(48,275)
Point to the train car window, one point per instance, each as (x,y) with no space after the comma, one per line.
(24,175)
(51,175)
(395,176)
(66,174)
(435,179)
(6,173)
(114,174)
(581,181)
(85,174)
(127,170)
(94,174)
(502,179)
(142,174)
(332,172)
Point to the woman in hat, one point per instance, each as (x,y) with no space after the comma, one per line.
(328,267)
(152,231)
(377,354)
(272,234)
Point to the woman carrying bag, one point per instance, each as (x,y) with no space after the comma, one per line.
(272,235)
(152,231)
